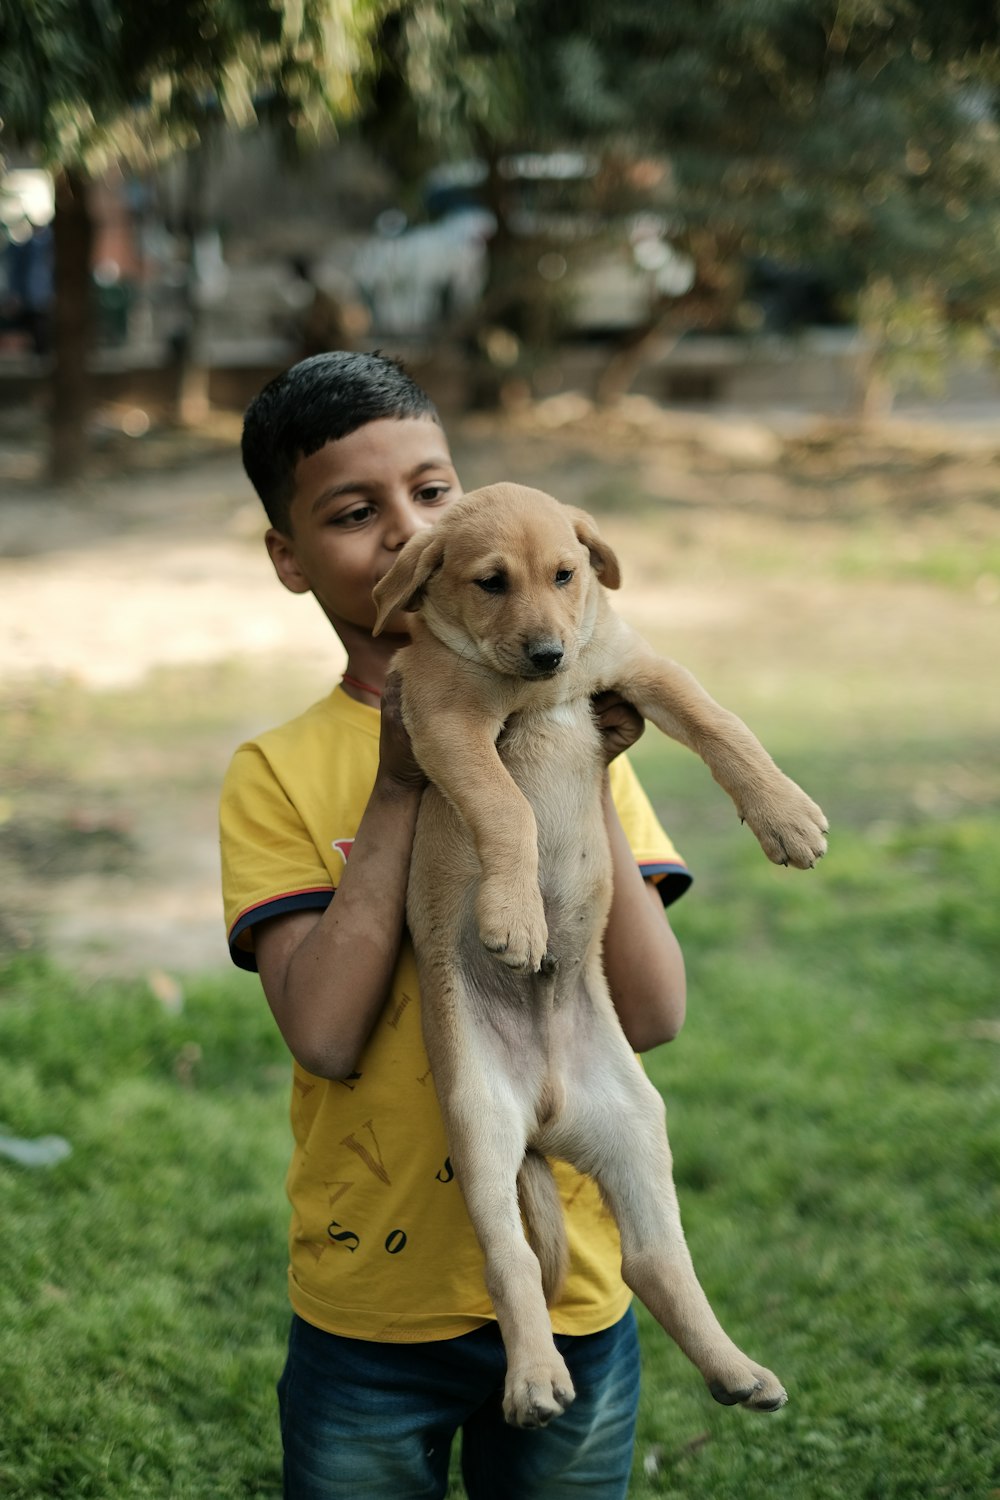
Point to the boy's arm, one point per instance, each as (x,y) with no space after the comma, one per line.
(642,957)
(326,975)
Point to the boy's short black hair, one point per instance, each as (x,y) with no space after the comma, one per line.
(319,401)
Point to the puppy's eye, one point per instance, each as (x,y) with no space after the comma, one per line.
(495,584)
(563,576)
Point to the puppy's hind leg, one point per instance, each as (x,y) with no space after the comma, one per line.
(486,1131)
(629,1156)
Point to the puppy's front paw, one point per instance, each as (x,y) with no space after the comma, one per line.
(512,925)
(532,1397)
(790,828)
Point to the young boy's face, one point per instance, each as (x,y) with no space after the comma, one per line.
(356,502)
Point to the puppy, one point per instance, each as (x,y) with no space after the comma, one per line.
(509,891)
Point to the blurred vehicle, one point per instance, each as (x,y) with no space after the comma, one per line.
(413,279)
(607,267)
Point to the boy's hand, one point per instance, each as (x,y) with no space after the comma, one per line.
(620,724)
(397,762)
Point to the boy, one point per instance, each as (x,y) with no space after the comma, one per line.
(393,1347)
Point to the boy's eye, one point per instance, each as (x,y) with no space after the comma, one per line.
(495,584)
(563,576)
(432,493)
(352,517)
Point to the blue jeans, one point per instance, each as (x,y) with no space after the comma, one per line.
(361,1419)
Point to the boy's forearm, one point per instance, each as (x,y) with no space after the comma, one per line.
(329,992)
(642,957)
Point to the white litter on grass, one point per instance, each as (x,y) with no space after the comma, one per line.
(43,1151)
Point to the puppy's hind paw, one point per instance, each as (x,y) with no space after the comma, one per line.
(758,1390)
(533,1398)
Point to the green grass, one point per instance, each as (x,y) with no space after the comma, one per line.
(953,561)
(835,1118)
(142,1305)
(834,1110)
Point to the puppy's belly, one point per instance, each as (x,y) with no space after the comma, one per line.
(554,757)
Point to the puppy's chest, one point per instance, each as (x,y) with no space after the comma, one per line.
(548,747)
(554,756)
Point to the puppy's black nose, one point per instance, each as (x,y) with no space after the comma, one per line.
(545,656)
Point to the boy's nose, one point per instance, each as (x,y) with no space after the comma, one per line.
(404,525)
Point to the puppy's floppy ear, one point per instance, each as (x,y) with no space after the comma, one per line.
(602,559)
(404,583)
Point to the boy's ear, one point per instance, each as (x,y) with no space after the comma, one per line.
(404,583)
(283,560)
(602,559)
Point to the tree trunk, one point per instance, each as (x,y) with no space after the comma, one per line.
(72,326)
(655,338)
(874,390)
(191,402)
(707,305)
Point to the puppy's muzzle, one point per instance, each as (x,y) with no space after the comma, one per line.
(543,658)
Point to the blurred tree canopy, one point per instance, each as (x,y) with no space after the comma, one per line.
(85,82)
(858,138)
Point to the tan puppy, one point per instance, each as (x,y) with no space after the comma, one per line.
(509,891)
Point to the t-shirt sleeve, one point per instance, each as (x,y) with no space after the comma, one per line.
(654,851)
(270,863)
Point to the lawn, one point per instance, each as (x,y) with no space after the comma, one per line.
(835,1121)
(835,1115)
(141,1279)
(833,1100)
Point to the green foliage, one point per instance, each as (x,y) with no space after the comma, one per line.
(51,54)
(464,69)
(859,140)
(84,81)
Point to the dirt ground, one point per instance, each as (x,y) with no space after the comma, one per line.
(143,635)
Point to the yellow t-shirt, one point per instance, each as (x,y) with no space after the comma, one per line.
(380,1243)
